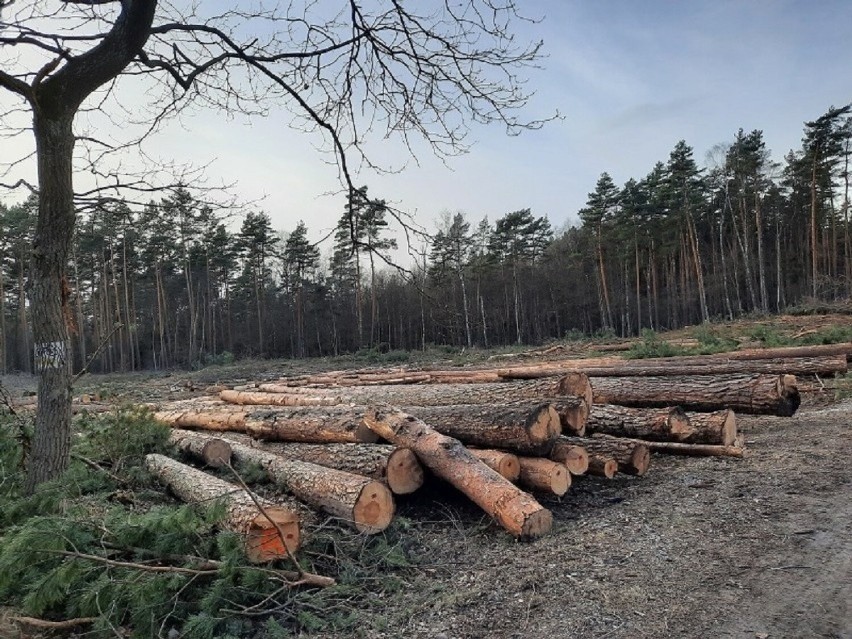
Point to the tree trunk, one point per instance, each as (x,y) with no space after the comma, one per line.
(693,450)
(260,531)
(275,399)
(524,427)
(397,467)
(544,476)
(719,427)
(363,502)
(213,451)
(662,424)
(574,458)
(513,509)
(209,418)
(633,457)
(51,444)
(755,394)
(504,463)
(331,425)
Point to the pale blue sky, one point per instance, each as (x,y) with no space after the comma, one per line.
(630,79)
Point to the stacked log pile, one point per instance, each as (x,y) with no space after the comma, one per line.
(347,442)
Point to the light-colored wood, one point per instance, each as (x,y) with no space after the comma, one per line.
(504,463)
(574,458)
(213,451)
(365,503)
(755,394)
(203,418)
(544,476)
(331,424)
(718,427)
(276,399)
(260,531)
(693,450)
(512,508)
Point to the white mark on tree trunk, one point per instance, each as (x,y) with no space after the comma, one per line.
(50,355)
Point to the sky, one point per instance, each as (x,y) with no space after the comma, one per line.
(628,78)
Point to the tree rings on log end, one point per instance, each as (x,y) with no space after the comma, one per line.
(640,460)
(573,417)
(263,540)
(602,466)
(574,458)
(576,384)
(373,509)
(216,453)
(404,473)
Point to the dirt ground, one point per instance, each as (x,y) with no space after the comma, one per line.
(700,547)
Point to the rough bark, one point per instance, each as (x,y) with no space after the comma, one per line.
(755,394)
(544,476)
(328,425)
(633,457)
(260,531)
(504,463)
(397,467)
(658,424)
(365,503)
(213,451)
(513,509)
(277,399)
(204,419)
(525,427)
(574,458)
(718,427)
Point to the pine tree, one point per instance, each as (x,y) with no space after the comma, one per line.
(301,259)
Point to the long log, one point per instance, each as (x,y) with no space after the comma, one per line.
(507,464)
(513,509)
(277,399)
(365,503)
(311,425)
(260,531)
(544,476)
(204,418)
(633,457)
(660,424)
(397,467)
(844,348)
(524,427)
(755,394)
(213,451)
(693,450)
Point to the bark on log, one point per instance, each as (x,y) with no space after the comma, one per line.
(756,394)
(277,399)
(694,450)
(203,418)
(260,531)
(504,463)
(365,503)
(602,466)
(596,463)
(310,425)
(659,424)
(525,427)
(633,457)
(574,458)
(718,427)
(397,467)
(544,476)
(213,451)
(844,348)
(514,509)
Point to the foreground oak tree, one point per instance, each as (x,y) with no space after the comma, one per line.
(346,70)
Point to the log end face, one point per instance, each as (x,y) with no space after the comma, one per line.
(576,384)
(574,458)
(510,467)
(543,424)
(573,419)
(538,524)
(373,509)
(640,460)
(729,429)
(610,468)
(216,453)
(560,480)
(263,541)
(404,472)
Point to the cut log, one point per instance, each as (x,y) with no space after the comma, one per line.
(544,476)
(203,418)
(718,427)
(694,450)
(844,348)
(632,456)
(524,427)
(260,531)
(397,467)
(596,463)
(329,425)
(660,424)
(213,451)
(574,458)
(602,466)
(513,509)
(365,503)
(277,399)
(504,463)
(755,394)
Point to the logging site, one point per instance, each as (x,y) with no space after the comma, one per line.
(568,491)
